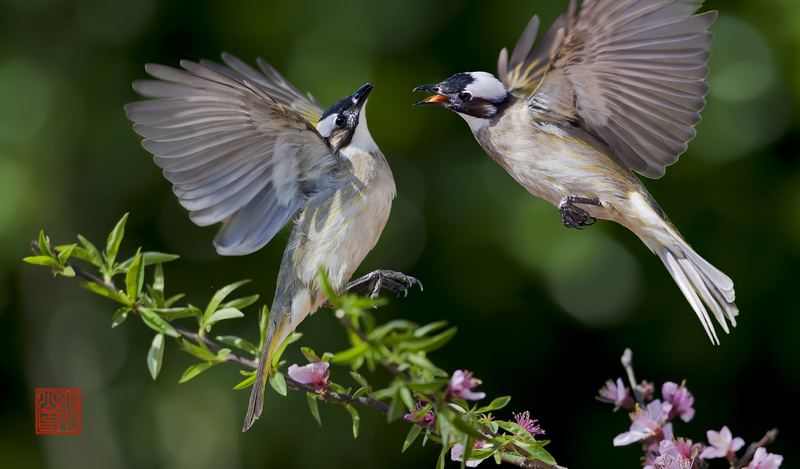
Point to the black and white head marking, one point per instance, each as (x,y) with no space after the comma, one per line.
(345,122)
(473,95)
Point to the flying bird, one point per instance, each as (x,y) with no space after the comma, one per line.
(613,87)
(246,148)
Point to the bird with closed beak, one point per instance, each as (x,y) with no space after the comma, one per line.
(613,87)
(247,149)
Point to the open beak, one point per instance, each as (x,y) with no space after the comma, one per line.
(435,100)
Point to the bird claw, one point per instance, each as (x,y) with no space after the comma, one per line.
(373,282)
(573,216)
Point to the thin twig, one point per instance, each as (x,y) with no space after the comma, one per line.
(751,450)
(232,357)
(627,363)
(530,463)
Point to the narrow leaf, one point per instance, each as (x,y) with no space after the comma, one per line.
(114,239)
(195,370)
(156,355)
(222,314)
(93,255)
(349,355)
(134,279)
(42,260)
(149,258)
(237,342)
(359,379)
(310,355)
(327,288)
(44,245)
(65,253)
(155,322)
(263,320)
(312,404)
(120,316)
(278,383)
(356,418)
(102,290)
(464,427)
(220,295)
(498,403)
(396,409)
(67,271)
(413,433)
(424,330)
(246,383)
(241,303)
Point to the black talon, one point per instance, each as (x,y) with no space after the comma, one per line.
(573,216)
(390,280)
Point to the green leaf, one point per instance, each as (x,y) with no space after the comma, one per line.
(424,330)
(427,388)
(396,408)
(44,245)
(540,454)
(195,370)
(155,322)
(199,352)
(67,271)
(42,260)
(237,342)
(351,354)
(222,314)
(120,316)
(463,426)
(220,295)
(292,338)
(149,258)
(310,355)
(431,343)
(171,300)
(157,290)
(114,239)
(92,254)
(405,395)
(241,303)
(134,279)
(413,433)
(156,355)
(356,418)
(327,288)
(359,379)
(312,404)
(498,403)
(246,383)
(107,292)
(278,383)
(518,430)
(65,253)
(79,253)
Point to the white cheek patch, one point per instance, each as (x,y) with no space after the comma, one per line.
(325,126)
(362,138)
(486,86)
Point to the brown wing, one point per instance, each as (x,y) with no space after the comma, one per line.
(631,72)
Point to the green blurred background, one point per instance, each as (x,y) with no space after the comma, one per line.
(543,312)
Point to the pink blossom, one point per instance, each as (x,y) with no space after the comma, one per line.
(313,374)
(457,452)
(647,423)
(680,398)
(524,420)
(764,460)
(646,389)
(674,454)
(461,384)
(723,445)
(426,421)
(616,394)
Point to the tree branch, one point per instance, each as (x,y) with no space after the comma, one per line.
(627,363)
(751,450)
(530,463)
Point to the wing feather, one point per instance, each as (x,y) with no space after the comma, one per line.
(237,145)
(629,71)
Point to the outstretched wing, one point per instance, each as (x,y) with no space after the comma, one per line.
(233,153)
(631,72)
(272,82)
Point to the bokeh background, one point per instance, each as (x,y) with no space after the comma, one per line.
(543,312)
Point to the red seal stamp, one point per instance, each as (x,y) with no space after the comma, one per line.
(58,411)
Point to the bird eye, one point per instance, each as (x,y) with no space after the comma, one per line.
(464,96)
(340,122)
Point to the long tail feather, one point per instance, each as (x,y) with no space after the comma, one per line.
(256,405)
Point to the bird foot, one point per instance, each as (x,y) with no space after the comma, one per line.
(573,216)
(396,282)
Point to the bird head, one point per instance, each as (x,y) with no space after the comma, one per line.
(470,94)
(345,122)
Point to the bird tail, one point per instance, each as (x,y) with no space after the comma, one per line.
(697,279)
(262,373)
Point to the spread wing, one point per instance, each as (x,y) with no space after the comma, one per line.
(631,72)
(234,153)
